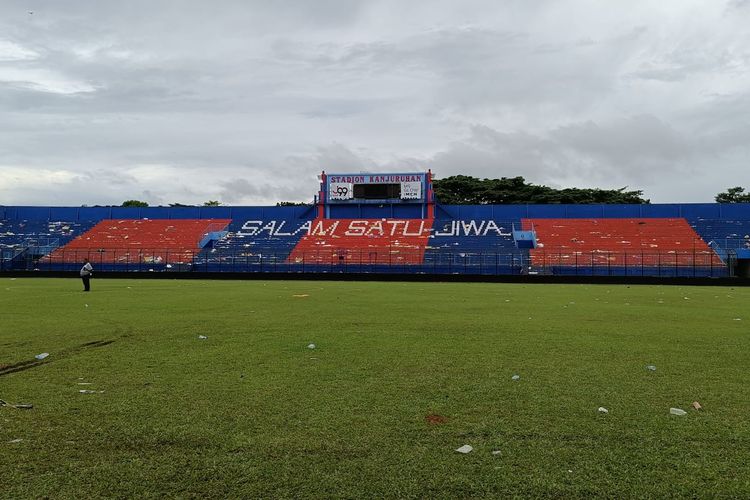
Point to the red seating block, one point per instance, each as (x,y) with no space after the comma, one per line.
(618,242)
(140,240)
(363,241)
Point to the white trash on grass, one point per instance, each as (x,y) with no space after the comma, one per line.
(89,391)
(651,368)
(603,410)
(497,452)
(465,449)
(202,337)
(515,377)
(42,355)
(677,411)
(311,346)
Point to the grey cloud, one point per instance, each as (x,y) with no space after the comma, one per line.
(338,158)
(500,154)
(692,58)
(240,190)
(635,142)
(248,101)
(641,151)
(733,5)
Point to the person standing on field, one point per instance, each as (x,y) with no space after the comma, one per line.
(86,272)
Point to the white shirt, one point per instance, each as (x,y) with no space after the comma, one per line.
(86,269)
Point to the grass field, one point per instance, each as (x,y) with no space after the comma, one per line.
(402,375)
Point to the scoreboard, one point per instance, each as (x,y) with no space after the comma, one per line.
(363,188)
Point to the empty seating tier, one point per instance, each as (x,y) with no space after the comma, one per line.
(363,241)
(142,240)
(252,242)
(618,242)
(41,237)
(725,234)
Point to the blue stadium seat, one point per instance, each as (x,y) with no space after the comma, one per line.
(725,234)
(17,236)
(237,251)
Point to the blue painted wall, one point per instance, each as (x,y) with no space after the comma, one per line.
(738,211)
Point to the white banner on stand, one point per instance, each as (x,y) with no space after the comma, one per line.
(341,191)
(411,190)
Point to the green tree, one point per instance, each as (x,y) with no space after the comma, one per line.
(292,204)
(134,203)
(467,190)
(212,203)
(733,195)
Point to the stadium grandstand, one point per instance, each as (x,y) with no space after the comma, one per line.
(384,223)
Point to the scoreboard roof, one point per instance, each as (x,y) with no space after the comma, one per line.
(367,178)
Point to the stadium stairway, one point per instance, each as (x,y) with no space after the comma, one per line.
(157,241)
(618,242)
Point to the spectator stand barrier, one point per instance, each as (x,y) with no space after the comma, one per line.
(391,260)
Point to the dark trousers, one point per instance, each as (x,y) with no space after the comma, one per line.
(86,286)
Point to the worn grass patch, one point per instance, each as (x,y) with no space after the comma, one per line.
(401,376)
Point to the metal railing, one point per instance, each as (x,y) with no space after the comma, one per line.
(730,243)
(386,260)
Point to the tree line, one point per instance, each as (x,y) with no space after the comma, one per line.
(467,190)
(733,195)
(139,203)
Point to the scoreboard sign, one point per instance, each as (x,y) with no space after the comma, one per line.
(341,191)
(411,190)
(375,187)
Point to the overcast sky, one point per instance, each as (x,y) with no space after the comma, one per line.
(246,102)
